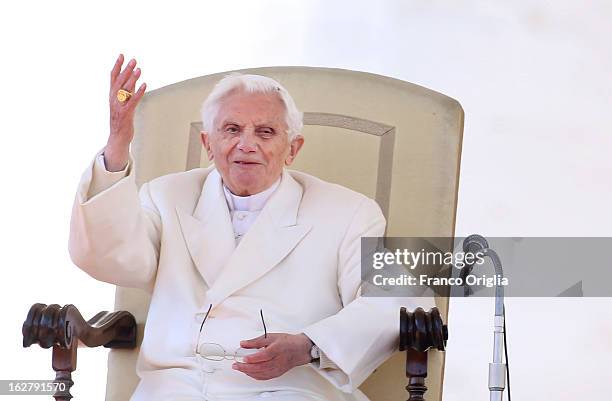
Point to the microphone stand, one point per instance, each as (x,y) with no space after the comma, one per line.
(497,369)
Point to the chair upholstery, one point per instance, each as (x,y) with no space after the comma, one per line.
(391,140)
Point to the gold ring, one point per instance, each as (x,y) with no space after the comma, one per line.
(123,95)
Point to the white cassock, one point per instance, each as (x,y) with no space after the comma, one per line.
(292,251)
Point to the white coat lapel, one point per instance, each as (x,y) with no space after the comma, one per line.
(208,232)
(271,237)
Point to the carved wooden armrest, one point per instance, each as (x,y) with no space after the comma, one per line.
(420,331)
(64,327)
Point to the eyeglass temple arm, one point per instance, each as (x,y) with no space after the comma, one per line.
(264,324)
(202,325)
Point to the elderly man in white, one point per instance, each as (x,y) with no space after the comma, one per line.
(254,270)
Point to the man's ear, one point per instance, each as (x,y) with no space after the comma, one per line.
(294,147)
(206,144)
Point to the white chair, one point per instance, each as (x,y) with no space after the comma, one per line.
(396,142)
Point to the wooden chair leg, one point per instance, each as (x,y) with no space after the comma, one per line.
(64,363)
(416,371)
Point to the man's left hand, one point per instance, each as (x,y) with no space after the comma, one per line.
(281,352)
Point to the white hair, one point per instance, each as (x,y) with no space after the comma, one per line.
(252,84)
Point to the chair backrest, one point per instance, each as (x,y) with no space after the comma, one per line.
(391,140)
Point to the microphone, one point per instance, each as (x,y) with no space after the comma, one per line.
(497,369)
(475,243)
(471,245)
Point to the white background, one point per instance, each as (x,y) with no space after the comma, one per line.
(533,77)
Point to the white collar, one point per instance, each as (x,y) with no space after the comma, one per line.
(251,203)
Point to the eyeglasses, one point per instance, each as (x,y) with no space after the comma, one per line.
(216,352)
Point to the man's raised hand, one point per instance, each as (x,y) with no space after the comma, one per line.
(116,152)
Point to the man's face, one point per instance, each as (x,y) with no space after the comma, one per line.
(249,144)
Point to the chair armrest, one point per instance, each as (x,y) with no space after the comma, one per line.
(63,328)
(50,325)
(420,331)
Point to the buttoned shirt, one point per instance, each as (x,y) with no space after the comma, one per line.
(245,209)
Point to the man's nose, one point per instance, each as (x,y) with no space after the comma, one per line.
(247,142)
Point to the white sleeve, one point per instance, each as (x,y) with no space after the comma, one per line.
(103,179)
(365,333)
(115,229)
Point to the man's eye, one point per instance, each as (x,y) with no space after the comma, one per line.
(266,132)
(231,130)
